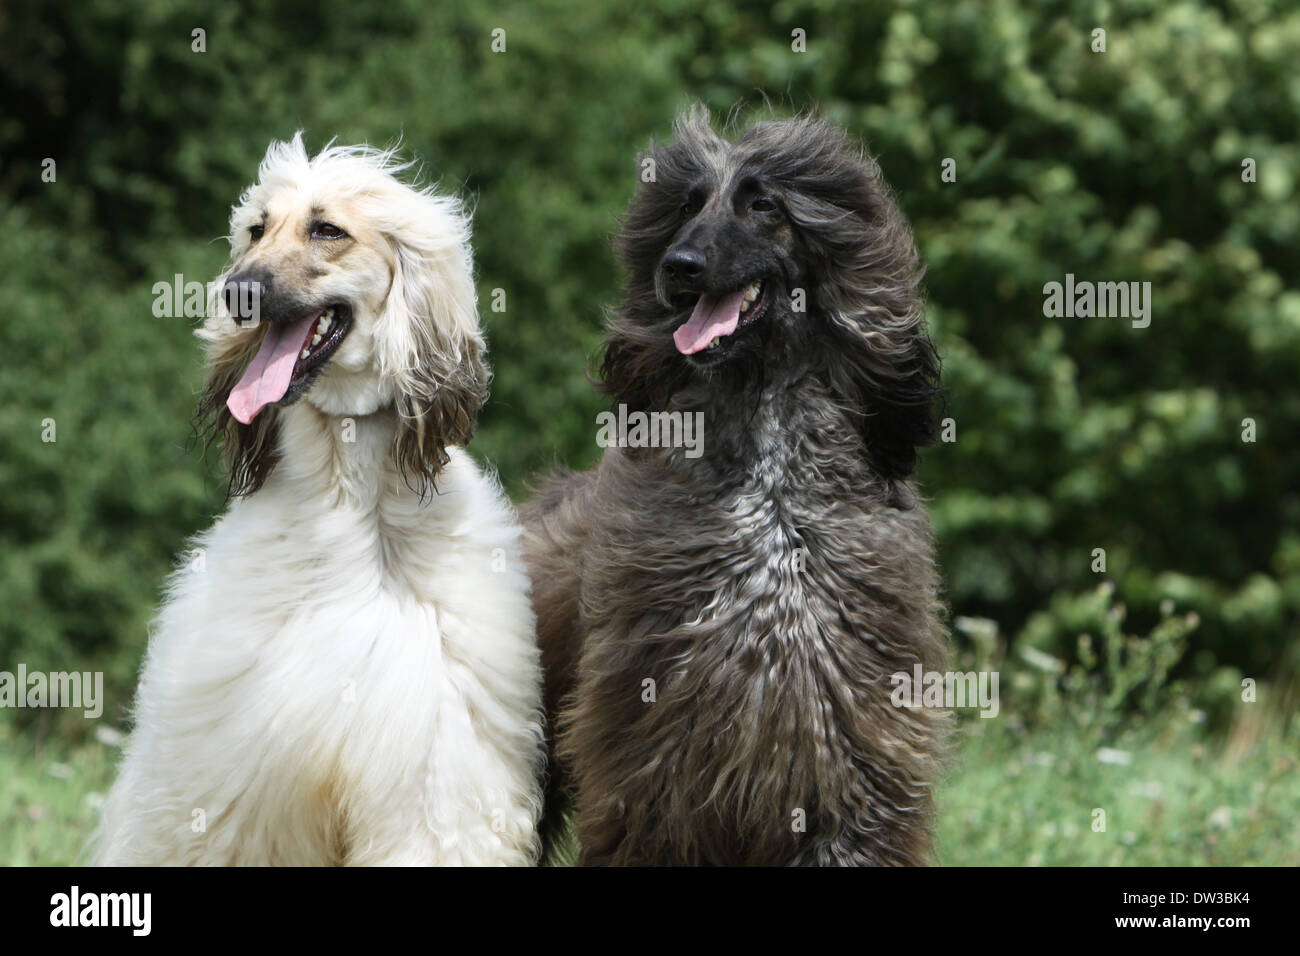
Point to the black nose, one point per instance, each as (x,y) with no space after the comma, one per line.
(245,293)
(684,264)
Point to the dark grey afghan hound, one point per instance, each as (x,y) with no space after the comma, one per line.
(719,631)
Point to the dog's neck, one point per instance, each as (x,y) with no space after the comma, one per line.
(760,427)
(745,423)
(767,436)
(344,459)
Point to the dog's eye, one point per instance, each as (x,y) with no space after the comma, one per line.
(690,208)
(763,204)
(255,232)
(327,230)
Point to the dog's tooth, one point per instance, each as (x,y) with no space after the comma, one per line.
(744,306)
(327,321)
(315,339)
(304,354)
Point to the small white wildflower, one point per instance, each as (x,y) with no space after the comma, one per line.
(1110,755)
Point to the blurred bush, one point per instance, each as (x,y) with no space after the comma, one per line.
(1071,434)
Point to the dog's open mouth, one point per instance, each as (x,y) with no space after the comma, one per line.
(290,354)
(718,316)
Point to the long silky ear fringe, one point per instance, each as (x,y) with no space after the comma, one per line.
(439,408)
(429,340)
(249,451)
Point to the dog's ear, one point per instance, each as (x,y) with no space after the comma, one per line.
(882,362)
(639,367)
(881,358)
(636,369)
(890,378)
(428,342)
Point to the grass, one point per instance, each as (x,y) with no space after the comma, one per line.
(1011,798)
(1175,800)
(49,796)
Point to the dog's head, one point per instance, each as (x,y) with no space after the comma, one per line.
(783,246)
(352,291)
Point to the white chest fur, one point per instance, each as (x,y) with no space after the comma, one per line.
(342,672)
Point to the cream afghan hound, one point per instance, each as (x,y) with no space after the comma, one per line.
(344,670)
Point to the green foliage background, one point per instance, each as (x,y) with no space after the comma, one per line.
(1072,434)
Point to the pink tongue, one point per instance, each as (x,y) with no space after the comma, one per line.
(267,378)
(714,316)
